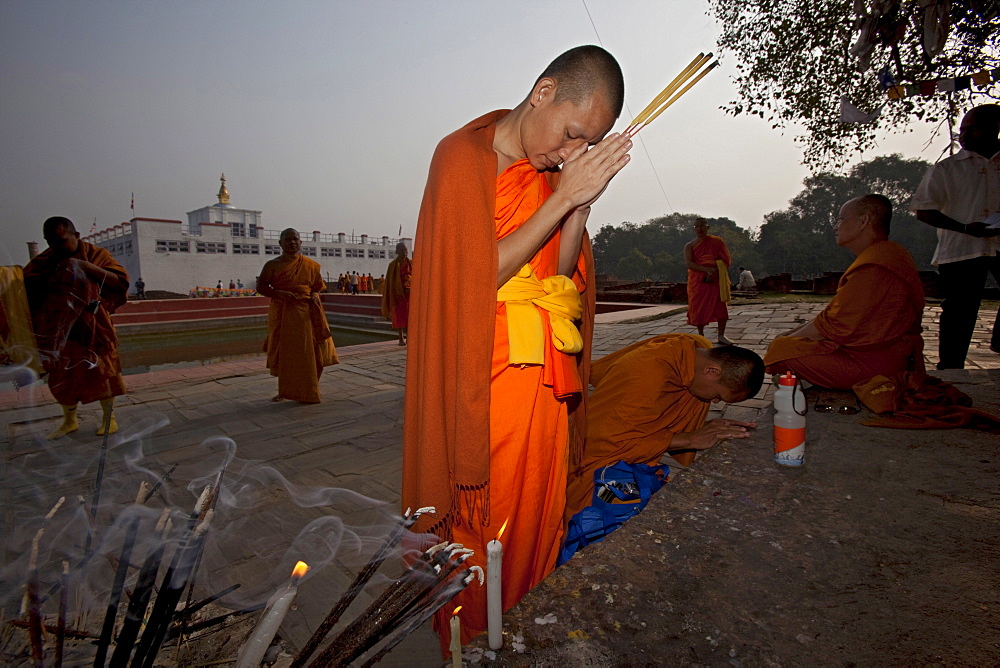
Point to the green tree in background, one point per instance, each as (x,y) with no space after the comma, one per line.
(655,249)
(797,240)
(794,61)
(800,239)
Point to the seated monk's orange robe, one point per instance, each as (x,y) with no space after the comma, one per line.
(705,304)
(298,343)
(396,295)
(640,400)
(871,326)
(486,441)
(71,316)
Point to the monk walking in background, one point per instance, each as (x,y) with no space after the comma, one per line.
(396,295)
(497,366)
(73,288)
(872,325)
(707,258)
(298,343)
(652,398)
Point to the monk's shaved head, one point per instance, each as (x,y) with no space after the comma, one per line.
(742,369)
(58,223)
(585,71)
(879,207)
(287,232)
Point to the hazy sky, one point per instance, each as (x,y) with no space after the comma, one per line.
(324,114)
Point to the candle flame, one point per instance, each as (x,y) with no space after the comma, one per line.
(301,568)
(455,612)
(504,526)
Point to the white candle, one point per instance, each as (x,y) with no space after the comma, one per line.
(252,652)
(456,639)
(494,591)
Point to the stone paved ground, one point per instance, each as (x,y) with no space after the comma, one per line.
(350,441)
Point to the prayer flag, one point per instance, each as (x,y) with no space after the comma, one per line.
(946,85)
(927,88)
(981,78)
(851,114)
(886,79)
(962,83)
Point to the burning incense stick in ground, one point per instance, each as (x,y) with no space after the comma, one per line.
(61,619)
(431,582)
(416,621)
(690,75)
(358,585)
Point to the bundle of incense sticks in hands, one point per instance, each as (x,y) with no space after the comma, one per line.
(690,75)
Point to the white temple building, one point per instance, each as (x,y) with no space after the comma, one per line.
(224,243)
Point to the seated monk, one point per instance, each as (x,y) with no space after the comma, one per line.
(872,325)
(73,288)
(298,343)
(653,396)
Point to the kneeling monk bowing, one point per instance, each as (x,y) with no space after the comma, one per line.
(872,325)
(653,397)
(497,369)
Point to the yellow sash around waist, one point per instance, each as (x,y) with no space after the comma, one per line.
(526,336)
(725,285)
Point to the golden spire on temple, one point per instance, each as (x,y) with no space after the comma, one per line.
(223,193)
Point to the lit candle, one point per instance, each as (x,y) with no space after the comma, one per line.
(456,639)
(252,652)
(494,592)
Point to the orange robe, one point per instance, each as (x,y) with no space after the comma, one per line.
(486,442)
(705,305)
(71,316)
(640,400)
(396,295)
(298,343)
(871,326)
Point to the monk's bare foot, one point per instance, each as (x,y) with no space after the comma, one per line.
(112,426)
(63,430)
(277,398)
(725,341)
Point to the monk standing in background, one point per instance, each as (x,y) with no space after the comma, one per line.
(652,398)
(73,288)
(872,325)
(497,365)
(298,343)
(396,295)
(708,261)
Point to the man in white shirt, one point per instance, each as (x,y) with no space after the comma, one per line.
(956,196)
(747,281)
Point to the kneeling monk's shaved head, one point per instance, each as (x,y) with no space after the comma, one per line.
(584,70)
(742,369)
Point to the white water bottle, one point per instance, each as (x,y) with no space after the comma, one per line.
(789,422)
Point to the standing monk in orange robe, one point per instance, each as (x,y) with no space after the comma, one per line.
(652,397)
(708,260)
(298,343)
(496,366)
(396,295)
(872,325)
(73,288)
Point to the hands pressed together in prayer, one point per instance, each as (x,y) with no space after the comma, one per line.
(710,434)
(586,171)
